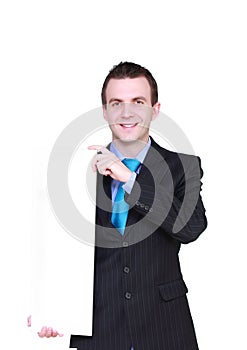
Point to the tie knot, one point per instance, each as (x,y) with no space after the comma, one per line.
(131,163)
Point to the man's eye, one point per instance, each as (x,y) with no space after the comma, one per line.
(115,104)
(139,102)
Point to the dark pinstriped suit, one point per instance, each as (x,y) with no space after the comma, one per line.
(139,294)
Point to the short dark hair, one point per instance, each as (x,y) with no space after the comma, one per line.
(130,70)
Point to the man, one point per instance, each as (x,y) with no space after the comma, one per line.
(148,203)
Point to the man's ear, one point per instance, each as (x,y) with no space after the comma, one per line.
(156,110)
(105,112)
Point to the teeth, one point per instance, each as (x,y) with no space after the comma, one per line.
(128,125)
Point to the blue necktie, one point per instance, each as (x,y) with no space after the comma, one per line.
(120,207)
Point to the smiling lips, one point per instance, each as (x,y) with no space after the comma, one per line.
(129,126)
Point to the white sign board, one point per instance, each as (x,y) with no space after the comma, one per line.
(62,266)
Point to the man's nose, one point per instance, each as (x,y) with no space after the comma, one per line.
(127,110)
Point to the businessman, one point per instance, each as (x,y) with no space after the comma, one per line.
(148,203)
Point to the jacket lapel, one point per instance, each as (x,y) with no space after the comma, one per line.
(154,165)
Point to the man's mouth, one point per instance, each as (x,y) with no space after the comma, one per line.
(129,126)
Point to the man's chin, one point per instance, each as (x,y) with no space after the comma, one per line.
(128,140)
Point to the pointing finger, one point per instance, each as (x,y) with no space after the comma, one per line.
(96,147)
(99,148)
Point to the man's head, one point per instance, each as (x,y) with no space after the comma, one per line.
(130,70)
(130,101)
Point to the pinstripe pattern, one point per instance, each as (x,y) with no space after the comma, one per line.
(139,293)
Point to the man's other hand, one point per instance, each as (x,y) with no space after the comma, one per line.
(46,332)
(108,164)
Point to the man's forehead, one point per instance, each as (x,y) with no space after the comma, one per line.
(128,87)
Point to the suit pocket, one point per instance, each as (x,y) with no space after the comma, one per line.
(172,290)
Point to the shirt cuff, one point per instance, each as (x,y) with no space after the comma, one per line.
(130,183)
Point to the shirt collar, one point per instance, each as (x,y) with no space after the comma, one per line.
(140,156)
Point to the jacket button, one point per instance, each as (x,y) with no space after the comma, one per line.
(128,295)
(137,203)
(146,207)
(142,205)
(126,269)
(125,244)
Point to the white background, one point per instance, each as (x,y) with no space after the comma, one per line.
(54,57)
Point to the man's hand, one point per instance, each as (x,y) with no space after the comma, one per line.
(46,332)
(108,164)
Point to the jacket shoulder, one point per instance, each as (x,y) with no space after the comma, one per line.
(178,161)
(172,155)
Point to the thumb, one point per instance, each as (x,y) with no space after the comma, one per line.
(29,323)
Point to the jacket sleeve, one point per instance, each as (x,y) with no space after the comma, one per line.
(172,201)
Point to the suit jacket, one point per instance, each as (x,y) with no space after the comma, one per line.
(139,293)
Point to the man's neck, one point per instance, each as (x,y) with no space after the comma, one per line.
(130,149)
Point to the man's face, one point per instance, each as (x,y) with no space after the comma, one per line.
(128,109)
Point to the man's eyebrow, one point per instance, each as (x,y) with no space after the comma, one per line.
(133,99)
(139,98)
(115,99)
